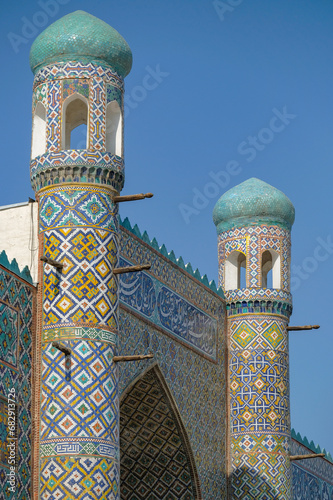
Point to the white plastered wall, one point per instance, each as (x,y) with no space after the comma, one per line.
(19,235)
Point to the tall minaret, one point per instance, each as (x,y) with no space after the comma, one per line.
(79,64)
(253,223)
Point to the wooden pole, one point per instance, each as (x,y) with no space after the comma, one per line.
(136,357)
(132,197)
(304,457)
(131,269)
(305,327)
(66,350)
(52,262)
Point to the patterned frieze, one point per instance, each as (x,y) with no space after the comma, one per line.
(319,468)
(77,166)
(97,114)
(307,485)
(167,309)
(75,69)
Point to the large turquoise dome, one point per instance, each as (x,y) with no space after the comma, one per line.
(251,203)
(79,36)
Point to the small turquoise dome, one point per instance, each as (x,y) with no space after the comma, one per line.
(79,36)
(251,203)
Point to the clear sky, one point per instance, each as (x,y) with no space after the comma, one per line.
(219,73)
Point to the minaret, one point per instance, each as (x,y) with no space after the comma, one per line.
(79,64)
(253,223)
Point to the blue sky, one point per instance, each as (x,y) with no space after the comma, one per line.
(222,75)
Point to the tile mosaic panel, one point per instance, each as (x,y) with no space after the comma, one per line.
(86,289)
(97,114)
(261,476)
(40,95)
(16,300)
(72,86)
(197,386)
(308,486)
(259,332)
(81,478)
(80,399)
(53,134)
(158,303)
(77,206)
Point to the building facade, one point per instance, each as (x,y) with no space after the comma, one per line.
(208,416)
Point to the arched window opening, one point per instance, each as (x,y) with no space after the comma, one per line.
(75,123)
(114,125)
(235,271)
(38,146)
(270,269)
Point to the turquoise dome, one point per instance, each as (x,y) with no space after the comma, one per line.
(251,203)
(79,36)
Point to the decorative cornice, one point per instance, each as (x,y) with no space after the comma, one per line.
(14,268)
(304,441)
(74,165)
(171,256)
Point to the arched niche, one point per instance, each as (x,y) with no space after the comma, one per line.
(75,114)
(270,269)
(38,145)
(235,271)
(114,129)
(156,460)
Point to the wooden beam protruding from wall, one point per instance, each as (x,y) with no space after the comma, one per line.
(131,269)
(132,197)
(304,457)
(52,262)
(135,357)
(305,327)
(66,350)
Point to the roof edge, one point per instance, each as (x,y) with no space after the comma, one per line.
(14,268)
(316,449)
(171,256)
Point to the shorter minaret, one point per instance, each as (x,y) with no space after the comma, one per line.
(253,223)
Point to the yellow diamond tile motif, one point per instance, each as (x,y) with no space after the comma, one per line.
(102,268)
(247,415)
(102,307)
(243,335)
(64,304)
(259,384)
(273,335)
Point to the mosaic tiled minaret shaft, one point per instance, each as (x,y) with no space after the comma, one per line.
(253,223)
(79,64)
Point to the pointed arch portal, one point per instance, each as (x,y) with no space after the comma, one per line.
(156,461)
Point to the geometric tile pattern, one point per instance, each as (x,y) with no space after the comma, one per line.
(79,431)
(258,239)
(40,95)
(155,462)
(76,206)
(53,117)
(16,324)
(83,478)
(80,400)
(258,332)
(86,290)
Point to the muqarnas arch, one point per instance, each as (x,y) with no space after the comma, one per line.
(156,461)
